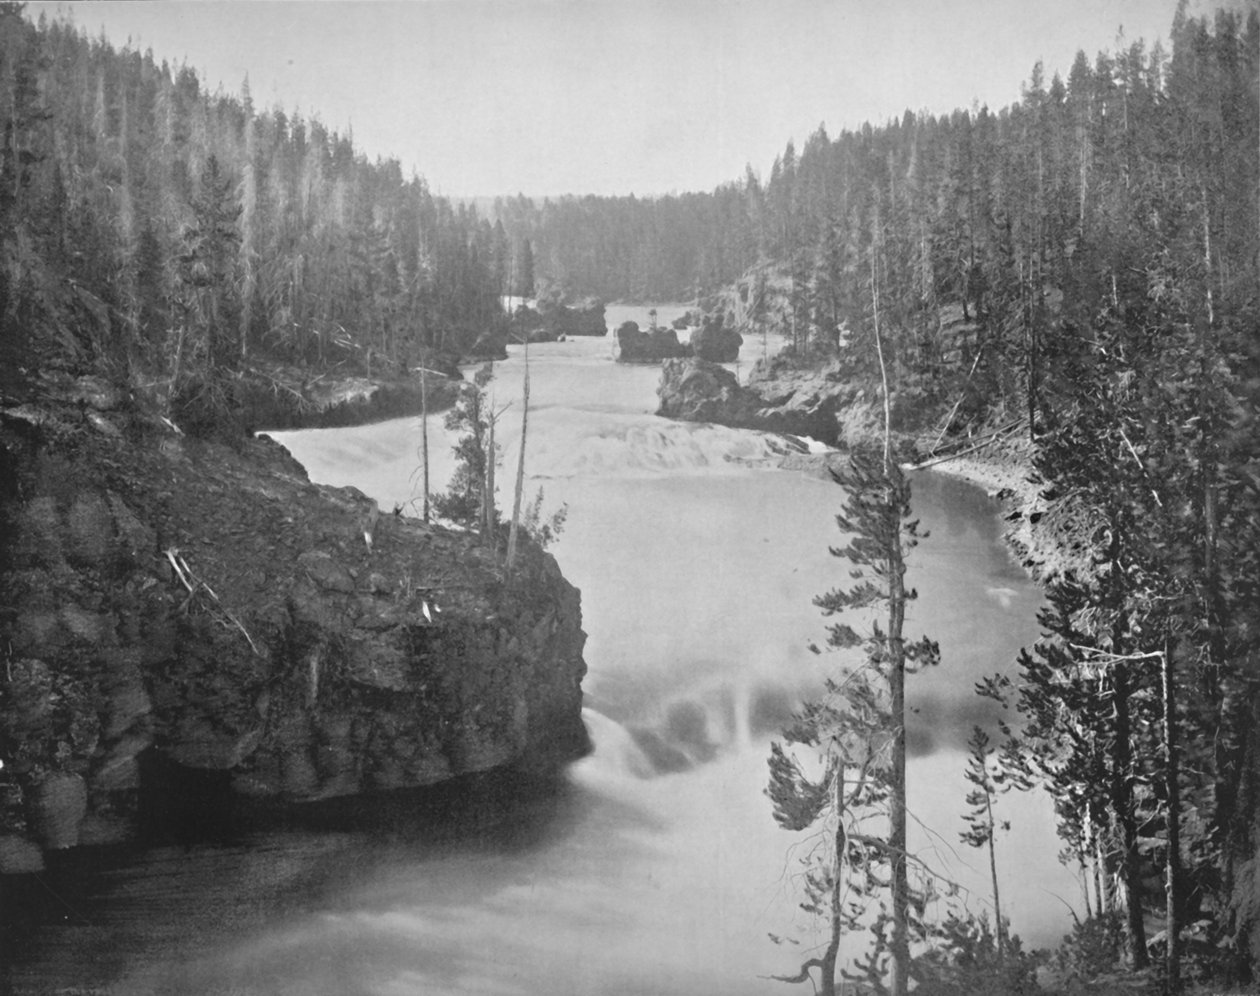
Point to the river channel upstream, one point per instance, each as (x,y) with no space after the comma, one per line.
(652,866)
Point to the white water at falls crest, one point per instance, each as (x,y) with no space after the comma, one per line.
(659,870)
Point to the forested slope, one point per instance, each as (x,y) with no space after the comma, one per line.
(174,237)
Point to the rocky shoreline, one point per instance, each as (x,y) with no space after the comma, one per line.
(288,398)
(817,401)
(1043,536)
(174,599)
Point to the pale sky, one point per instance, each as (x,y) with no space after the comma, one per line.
(544,97)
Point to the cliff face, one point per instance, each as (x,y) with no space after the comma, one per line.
(168,597)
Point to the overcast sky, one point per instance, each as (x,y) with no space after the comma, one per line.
(615,96)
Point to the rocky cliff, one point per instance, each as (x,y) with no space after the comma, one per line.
(206,605)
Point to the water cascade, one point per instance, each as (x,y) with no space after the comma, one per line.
(652,866)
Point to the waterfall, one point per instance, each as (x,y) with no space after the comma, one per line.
(655,866)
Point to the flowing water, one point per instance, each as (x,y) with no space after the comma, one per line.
(652,866)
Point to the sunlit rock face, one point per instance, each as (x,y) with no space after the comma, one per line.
(801,402)
(209,605)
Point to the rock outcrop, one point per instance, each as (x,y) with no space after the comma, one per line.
(698,391)
(554,320)
(715,341)
(637,346)
(289,398)
(527,325)
(777,398)
(171,598)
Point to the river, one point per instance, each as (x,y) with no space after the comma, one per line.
(652,866)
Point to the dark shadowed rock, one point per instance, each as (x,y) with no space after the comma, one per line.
(684,321)
(586,317)
(698,391)
(278,397)
(636,346)
(555,320)
(715,341)
(210,606)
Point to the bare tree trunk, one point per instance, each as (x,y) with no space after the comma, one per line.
(487,497)
(827,964)
(1107,897)
(897,816)
(883,368)
(1082,860)
(177,365)
(1000,927)
(1172,867)
(1122,800)
(424,436)
(520,468)
(900,944)
(1093,848)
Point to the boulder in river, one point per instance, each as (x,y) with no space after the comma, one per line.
(586,317)
(695,390)
(637,346)
(715,341)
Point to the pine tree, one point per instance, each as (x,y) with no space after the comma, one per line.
(858,730)
(982,825)
(466,502)
(205,347)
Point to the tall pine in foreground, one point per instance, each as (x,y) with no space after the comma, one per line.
(852,782)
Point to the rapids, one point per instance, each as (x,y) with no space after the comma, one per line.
(652,866)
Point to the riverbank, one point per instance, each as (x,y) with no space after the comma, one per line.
(1046,537)
(820,402)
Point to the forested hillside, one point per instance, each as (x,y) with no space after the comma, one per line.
(162,232)
(1083,269)
(988,228)
(637,249)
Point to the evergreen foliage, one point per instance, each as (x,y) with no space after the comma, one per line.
(1001,231)
(856,732)
(1087,263)
(159,232)
(465,501)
